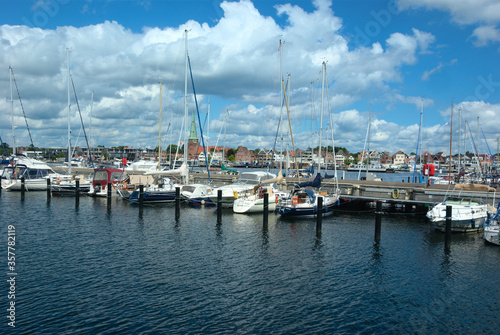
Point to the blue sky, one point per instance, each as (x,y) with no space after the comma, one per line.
(395,55)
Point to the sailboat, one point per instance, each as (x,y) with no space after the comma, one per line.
(66,185)
(302,201)
(34,172)
(163,189)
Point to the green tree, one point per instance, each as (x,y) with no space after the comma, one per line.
(231,158)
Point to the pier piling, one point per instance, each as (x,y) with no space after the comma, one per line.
(177,203)
(447,234)
(319,216)
(378,220)
(109,195)
(77,193)
(219,206)
(48,190)
(23,188)
(0,185)
(265,219)
(141,198)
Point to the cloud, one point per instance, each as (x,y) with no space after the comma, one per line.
(437,69)
(486,34)
(235,63)
(462,11)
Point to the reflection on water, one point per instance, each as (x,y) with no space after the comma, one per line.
(95,270)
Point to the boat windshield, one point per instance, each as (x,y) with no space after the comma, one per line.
(16,172)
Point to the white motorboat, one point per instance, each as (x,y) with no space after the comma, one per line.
(35,174)
(253,201)
(246,182)
(197,194)
(467,214)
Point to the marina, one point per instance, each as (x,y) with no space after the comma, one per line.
(108,270)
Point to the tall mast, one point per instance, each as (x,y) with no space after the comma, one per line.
(451,141)
(368,140)
(321,113)
(69,115)
(459,137)
(281,105)
(185,98)
(159,136)
(12,110)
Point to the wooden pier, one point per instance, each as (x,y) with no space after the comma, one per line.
(364,191)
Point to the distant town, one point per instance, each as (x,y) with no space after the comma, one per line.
(244,157)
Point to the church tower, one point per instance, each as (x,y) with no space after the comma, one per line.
(193,143)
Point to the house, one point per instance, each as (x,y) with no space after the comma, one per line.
(399,158)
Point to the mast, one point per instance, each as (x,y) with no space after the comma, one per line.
(69,115)
(90,130)
(281,105)
(321,112)
(185,98)
(451,141)
(12,110)
(459,137)
(159,136)
(368,140)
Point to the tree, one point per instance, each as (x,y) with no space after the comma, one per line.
(231,158)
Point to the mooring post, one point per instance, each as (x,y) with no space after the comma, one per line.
(319,216)
(219,206)
(141,197)
(0,185)
(265,219)
(48,189)
(378,220)
(408,179)
(22,188)
(177,203)
(109,195)
(447,235)
(77,193)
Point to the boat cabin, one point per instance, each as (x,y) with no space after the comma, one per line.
(103,176)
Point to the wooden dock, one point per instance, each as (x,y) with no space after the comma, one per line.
(415,194)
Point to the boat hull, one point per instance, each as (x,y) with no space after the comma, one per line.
(252,206)
(153,197)
(29,185)
(460,226)
(491,234)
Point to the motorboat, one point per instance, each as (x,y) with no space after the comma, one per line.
(246,182)
(102,178)
(467,214)
(34,172)
(253,201)
(197,194)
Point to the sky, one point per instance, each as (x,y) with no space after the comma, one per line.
(395,72)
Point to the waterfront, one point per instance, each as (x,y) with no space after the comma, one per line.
(90,270)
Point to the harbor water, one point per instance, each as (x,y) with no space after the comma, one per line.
(90,270)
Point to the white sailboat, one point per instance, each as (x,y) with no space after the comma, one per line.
(253,201)
(302,201)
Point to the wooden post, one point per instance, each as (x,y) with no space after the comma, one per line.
(177,203)
(109,195)
(266,210)
(77,193)
(141,197)
(0,185)
(319,216)
(447,236)
(378,220)
(48,189)
(219,206)
(22,188)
